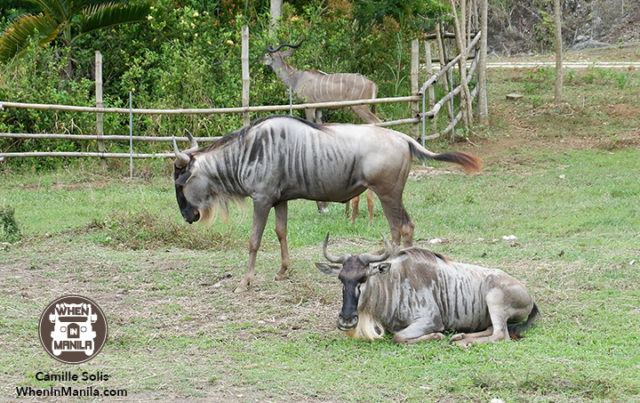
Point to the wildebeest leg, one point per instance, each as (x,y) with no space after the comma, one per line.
(511,302)
(323,207)
(260,214)
(399,221)
(460,336)
(416,332)
(281,231)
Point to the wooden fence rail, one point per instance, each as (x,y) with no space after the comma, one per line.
(206,111)
(412,99)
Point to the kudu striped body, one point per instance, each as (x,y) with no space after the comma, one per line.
(281,158)
(312,86)
(418,294)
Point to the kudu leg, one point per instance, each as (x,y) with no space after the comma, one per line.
(355,205)
(365,113)
(281,232)
(370,205)
(260,214)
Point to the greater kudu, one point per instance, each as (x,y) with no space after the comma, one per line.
(312,86)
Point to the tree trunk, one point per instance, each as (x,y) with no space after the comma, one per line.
(276,13)
(483,108)
(557,18)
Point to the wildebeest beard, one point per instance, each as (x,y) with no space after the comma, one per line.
(219,207)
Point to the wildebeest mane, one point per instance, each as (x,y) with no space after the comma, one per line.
(423,254)
(242,132)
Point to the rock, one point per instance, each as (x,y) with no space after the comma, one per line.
(590,43)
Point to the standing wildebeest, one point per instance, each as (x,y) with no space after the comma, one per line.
(281,158)
(315,86)
(418,294)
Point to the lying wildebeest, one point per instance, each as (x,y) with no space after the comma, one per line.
(418,294)
(280,158)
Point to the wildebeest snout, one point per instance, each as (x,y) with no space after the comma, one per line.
(190,215)
(347,322)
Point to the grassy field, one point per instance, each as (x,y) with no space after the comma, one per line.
(562,179)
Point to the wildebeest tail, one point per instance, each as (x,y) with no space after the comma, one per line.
(516,329)
(469,162)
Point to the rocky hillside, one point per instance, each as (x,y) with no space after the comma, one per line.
(526,26)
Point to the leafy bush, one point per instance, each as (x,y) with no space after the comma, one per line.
(187,55)
(9,231)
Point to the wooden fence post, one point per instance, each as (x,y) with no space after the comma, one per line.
(99,103)
(246,81)
(443,62)
(415,58)
(430,91)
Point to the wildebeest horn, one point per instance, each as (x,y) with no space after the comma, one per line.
(182,159)
(270,48)
(329,257)
(192,142)
(369,258)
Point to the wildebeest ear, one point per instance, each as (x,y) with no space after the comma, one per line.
(329,269)
(379,268)
(184,178)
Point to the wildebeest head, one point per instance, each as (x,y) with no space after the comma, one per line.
(184,174)
(354,273)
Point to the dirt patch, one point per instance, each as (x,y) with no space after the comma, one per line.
(623,111)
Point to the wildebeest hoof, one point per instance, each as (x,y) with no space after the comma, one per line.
(457,337)
(281,276)
(242,286)
(323,210)
(463,342)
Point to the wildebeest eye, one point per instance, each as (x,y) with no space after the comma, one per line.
(183,179)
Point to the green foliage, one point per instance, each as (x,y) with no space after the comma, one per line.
(9,231)
(68,20)
(187,55)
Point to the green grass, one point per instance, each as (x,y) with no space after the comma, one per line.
(178,331)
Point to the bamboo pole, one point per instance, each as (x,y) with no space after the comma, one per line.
(84,154)
(430,92)
(99,103)
(105,137)
(436,108)
(443,66)
(443,70)
(415,61)
(207,111)
(465,101)
(130,135)
(246,81)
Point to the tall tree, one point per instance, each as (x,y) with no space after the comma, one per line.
(276,13)
(67,20)
(483,105)
(557,19)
